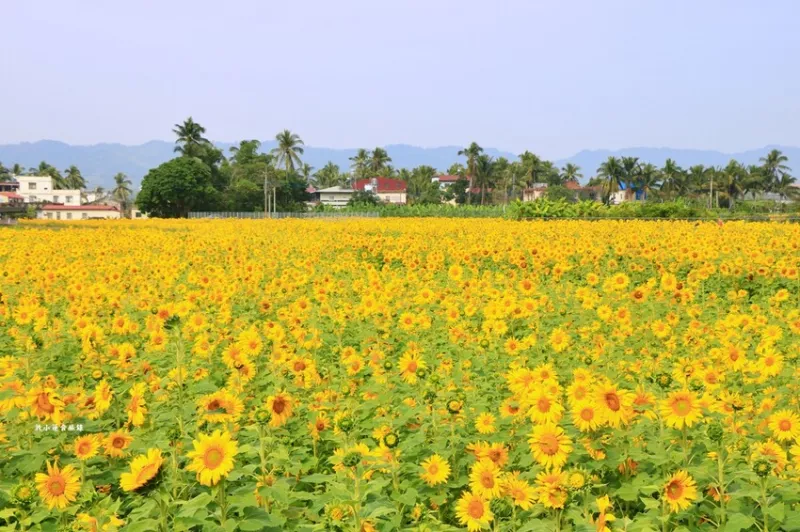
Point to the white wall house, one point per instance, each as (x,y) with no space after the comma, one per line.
(39,189)
(335,196)
(78,212)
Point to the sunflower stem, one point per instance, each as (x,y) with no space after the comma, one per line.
(721,485)
(764,506)
(223,503)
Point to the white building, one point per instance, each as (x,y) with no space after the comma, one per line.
(39,189)
(335,196)
(78,212)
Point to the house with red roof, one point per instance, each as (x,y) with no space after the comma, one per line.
(387,189)
(445,181)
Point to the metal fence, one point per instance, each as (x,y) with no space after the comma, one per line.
(275,215)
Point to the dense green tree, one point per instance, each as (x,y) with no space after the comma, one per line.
(773,167)
(484,174)
(559,192)
(421,190)
(5,173)
(730,181)
(648,179)
(457,169)
(177,187)
(673,178)
(531,164)
(288,151)
(630,170)
(329,176)
(17,169)
(361,198)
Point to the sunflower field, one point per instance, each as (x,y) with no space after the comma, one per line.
(399,374)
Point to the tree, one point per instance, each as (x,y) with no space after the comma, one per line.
(612,174)
(122,191)
(648,179)
(362,198)
(571,173)
(5,173)
(378,160)
(17,169)
(306,171)
(730,181)
(329,176)
(471,152)
(484,174)
(73,178)
(177,187)
(421,190)
(786,187)
(774,166)
(673,178)
(360,163)
(190,141)
(289,150)
(457,169)
(531,163)
(630,170)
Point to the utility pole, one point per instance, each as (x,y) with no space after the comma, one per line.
(266,193)
(711,193)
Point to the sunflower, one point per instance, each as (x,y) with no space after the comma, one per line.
(559,340)
(585,417)
(616,405)
(484,424)
(58,487)
(680,409)
(484,479)
(409,364)
(680,491)
(550,445)
(220,407)
(279,407)
(86,447)
(212,457)
(102,397)
(785,425)
(136,407)
(496,452)
(46,405)
(143,468)
(473,511)
(543,407)
(435,470)
(116,443)
(519,491)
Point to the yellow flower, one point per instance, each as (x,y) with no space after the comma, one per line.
(116,443)
(280,408)
(85,447)
(785,425)
(435,470)
(484,424)
(59,486)
(473,511)
(484,479)
(212,457)
(680,491)
(143,468)
(550,445)
(680,409)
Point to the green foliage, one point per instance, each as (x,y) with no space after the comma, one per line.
(176,187)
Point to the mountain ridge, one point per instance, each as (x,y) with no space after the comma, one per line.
(99,162)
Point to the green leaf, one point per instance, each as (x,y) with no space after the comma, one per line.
(190,507)
(409,498)
(317,478)
(8,512)
(628,492)
(737,522)
(147,525)
(777,511)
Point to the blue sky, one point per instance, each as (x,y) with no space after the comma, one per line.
(553,77)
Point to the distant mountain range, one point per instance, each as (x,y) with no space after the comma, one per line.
(99,162)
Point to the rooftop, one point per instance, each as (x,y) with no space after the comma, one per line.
(60,207)
(384,184)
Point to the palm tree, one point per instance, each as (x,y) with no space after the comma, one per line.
(305,171)
(612,173)
(631,169)
(289,150)
(755,181)
(360,163)
(673,177)
(786,187)
(17,169)
(648,179)
(774,167)
(571,173)
(484,172)
(471,152)
(328,176)
(730,181)
(74,179)
(531,163)
(379,159)
(190,139)
(122,190)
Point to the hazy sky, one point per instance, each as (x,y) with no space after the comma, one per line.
(553,77)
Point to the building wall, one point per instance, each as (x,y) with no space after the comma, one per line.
(392,197)
(40,189)
(334,199)
(77,214)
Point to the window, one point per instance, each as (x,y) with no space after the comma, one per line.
(58,216)
(32,198)
(55,199)
(49,215)
(85,215)
(68,200)
(69,216)
(31,186)
(138,214)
